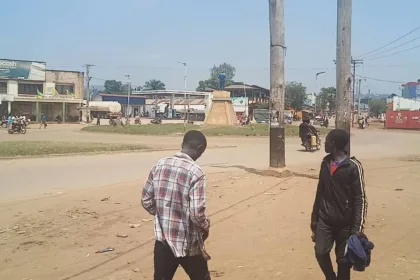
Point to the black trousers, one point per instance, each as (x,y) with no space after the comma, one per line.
(166,264)
(325,237)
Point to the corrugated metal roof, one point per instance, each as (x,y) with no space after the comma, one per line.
(193,101)
(120,95)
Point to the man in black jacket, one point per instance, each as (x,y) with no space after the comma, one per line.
(340,205)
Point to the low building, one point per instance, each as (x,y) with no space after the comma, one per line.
(197,107)
(255,94)
(28,88)
(411,90)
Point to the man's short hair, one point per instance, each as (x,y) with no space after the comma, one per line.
(340,137)
(194,139)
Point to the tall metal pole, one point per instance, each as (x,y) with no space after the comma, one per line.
(88,78)
(128,112)
(277,85)
(186,114)
(343,66)
(185,89)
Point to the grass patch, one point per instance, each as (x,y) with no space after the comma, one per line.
(43,148)
(173,129)
(149,129)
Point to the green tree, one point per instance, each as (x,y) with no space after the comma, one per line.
(201,86)
(113,86)
(215,71)
(377,107)
(295,95)
(326,98)
(154,85)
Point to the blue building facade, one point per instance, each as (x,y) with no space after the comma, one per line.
(411,90)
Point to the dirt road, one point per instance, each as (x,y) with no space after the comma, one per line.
(260,223)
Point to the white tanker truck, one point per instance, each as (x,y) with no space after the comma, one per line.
(103,109)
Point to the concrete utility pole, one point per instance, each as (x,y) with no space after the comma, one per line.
(277,86)
(128,112)
(343,66)
(88,78)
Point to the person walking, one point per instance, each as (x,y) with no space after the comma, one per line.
(43,121)
(340,205)
(174,194)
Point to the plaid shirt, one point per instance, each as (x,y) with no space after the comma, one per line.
(175,194)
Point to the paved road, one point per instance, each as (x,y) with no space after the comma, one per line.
(24,178)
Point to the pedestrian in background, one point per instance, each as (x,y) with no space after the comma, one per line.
(43,121)
(174,194)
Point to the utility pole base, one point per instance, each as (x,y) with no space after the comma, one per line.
(277,147)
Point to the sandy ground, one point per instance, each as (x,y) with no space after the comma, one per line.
(53,219)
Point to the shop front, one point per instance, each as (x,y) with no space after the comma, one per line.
(60,108)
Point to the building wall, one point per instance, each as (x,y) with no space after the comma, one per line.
(67,78)
(399,103)
(403,119)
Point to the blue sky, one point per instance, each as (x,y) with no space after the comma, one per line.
(145,38)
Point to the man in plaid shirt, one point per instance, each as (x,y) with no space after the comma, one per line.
(175,194)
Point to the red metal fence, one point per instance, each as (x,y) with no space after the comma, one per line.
(403,119)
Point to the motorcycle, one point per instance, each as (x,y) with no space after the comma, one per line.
(362,124)
(17,128)
(156,121)
(4,123)
(112,122)
(323,124)
(312,143)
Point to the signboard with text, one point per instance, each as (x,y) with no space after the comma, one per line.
(22,70)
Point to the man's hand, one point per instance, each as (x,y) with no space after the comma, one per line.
(206,234)
(313,236)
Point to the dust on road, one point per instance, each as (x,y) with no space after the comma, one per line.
(260,219)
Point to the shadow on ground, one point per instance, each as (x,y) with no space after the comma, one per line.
(281,173)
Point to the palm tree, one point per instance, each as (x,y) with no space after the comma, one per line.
(154,85)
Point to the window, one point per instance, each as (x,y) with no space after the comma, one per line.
(64,89)
(29,88)
(3,87)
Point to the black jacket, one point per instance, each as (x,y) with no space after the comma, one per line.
(340,199)
(306,129)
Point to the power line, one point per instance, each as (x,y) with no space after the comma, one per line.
(393,48)
(380,80)
(390,43)
(406,50)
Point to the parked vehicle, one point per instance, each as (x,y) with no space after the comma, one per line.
(312,143)
(4,123)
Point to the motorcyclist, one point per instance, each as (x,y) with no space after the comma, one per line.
(306,130)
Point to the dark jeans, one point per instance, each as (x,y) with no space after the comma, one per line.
(166,264)
(325,236)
